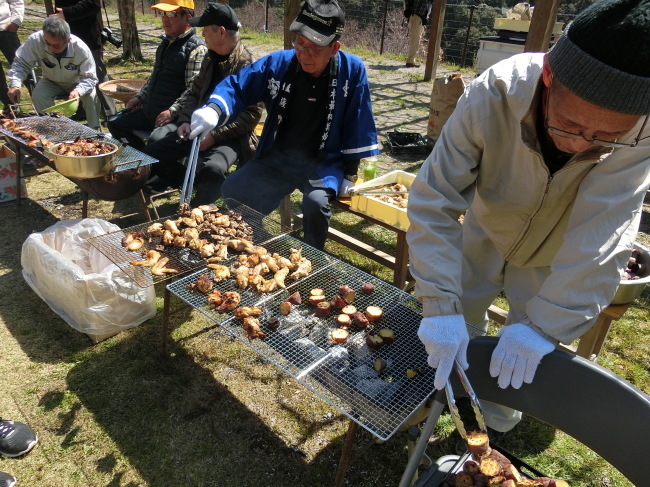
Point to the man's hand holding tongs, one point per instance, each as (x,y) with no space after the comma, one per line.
(203,121)
(445,339)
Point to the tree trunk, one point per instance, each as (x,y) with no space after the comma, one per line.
(49,8)
(130,40)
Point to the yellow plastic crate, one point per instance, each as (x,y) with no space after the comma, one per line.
(521,25)
(379,210)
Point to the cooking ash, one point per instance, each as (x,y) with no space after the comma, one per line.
(189,257)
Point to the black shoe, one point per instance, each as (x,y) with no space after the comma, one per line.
(155,185)
(6,480)
(412,65)
(16,438)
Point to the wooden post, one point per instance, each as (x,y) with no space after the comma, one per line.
(541,26)
(344,461)
(291,9)
(435,38)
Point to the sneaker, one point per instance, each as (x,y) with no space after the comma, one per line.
(6,480)
(412,65)
(16,438)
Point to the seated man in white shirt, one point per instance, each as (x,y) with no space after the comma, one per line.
(67,66)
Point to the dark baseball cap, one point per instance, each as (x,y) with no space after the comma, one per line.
(320,21)
(217,14)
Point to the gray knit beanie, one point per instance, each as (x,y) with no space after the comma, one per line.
(604,56)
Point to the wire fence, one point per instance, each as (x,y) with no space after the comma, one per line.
(380,26)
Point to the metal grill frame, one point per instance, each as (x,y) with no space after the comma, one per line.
(184,260)
(379,401)
(61,129)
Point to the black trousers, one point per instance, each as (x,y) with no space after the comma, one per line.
(213,163)
(122,125)
(8,44)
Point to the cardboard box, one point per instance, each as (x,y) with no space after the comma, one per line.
(378,209)
(8,168)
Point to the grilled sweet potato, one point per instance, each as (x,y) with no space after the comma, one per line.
(490,467)
(471,467)
(463,479)
(478,443)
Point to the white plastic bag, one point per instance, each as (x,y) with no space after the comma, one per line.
(82,285)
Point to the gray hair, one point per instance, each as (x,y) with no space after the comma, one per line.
(232,33)
(56,27)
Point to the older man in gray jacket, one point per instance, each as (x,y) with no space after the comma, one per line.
(549,155)
(67,65)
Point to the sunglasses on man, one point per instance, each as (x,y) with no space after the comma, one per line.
(172,14)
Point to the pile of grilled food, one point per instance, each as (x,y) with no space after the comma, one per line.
(490,468)
(204,229)
(396,194)
(256,269)
(84,147)
(33,139)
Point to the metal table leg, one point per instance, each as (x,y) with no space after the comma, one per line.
(18,172)
(164,324)
(143,205)
(427,430)
(84,204)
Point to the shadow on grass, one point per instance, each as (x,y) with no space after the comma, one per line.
(41,334)
(178,425)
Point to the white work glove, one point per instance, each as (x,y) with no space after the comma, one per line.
(445,338)
(203,121)
(344,189)
(517,355)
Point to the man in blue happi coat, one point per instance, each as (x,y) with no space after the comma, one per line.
(319,123)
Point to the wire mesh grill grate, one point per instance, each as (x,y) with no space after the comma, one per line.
(60,129)
(249,297)
(342,374)
(183,260)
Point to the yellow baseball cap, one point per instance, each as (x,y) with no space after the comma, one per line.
(171,5)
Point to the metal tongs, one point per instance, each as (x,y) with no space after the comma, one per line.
(476,405)
(190,172)
(370,191)
(376,190)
